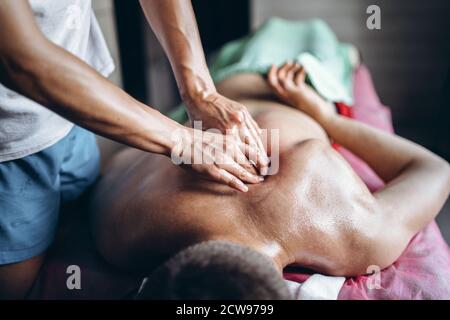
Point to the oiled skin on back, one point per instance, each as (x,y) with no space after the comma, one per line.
(315,212)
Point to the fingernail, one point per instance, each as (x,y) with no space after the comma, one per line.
(260,179)
(243,187)
(264,171)
(250,175)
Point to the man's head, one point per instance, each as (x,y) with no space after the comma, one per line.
(216,270)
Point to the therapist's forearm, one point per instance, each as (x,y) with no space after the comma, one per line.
(173,22)
(60,81)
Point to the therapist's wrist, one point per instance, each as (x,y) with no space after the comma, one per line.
(159,133)
(196,89)
(171,136)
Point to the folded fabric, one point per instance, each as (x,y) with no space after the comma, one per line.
(316,287)
(322,80)
(329,63)
(312,43)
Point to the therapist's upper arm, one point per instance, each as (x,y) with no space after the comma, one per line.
(20,36)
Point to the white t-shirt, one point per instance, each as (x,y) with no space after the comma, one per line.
(27,127)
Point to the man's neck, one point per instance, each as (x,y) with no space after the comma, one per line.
(273,250)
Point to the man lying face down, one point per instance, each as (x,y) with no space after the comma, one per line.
(315,212)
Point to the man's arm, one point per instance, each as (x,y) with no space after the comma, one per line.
(175,26)
(40,70)
(418,181)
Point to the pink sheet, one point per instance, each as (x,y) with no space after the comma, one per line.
(423,270)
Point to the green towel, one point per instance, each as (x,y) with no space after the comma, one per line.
(312,43)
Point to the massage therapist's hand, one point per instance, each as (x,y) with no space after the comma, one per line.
(174,24)
(215,156)
(229,117)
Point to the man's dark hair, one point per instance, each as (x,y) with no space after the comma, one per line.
(216,270)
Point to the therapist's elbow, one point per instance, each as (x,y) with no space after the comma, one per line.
(24,69)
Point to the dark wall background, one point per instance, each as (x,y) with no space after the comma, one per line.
(146,71)
(130,31)
(441,137)
(221,21)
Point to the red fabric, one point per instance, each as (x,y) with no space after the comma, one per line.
(344,110)
(423,270)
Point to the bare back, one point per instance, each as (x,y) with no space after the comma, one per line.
(315,208)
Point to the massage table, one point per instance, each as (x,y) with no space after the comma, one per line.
(421,272)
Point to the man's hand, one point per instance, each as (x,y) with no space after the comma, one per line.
(231,118)
(217,157)
(288,83)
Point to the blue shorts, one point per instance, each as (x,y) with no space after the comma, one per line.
(33,188)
